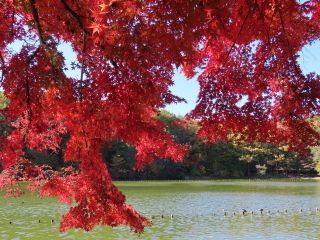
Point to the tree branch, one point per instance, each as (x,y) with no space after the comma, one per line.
(289,45)
(35,15)
(114,64)
(2,68)
(234,42)
(33,55)
(27,85)
(76,16)
(27,88)
(82,63)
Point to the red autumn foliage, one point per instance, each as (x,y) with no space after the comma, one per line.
(127,53)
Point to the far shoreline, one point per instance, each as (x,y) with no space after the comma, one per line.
(271,178)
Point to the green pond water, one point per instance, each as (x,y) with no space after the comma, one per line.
(196,207)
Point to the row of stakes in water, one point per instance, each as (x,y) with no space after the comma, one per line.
(225,213)
(243,212)
(262,211)
(39,221)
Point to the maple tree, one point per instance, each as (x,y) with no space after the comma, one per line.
(245,51)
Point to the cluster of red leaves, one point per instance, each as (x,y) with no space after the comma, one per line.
(252,84)
(23,172)
(127,51)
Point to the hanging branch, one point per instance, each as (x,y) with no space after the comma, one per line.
(289,45)
(27,84)
(27,87)
(43,42)
(78,17)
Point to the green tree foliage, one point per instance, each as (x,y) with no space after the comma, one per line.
(277,160)
(3,101)
(220,160)
(316,150)
(119,158)
(3,104)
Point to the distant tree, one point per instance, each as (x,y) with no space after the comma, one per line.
(120,159)
(316,149)
(222,160)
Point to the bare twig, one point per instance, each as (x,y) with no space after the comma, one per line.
(234,42)
(83,63)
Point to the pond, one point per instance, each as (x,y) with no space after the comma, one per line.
(289,211)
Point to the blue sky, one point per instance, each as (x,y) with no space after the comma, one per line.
(189,89)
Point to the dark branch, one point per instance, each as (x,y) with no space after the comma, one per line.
(83,63)
(289,45)
(2,68)
(33,55)
(27,84)
(36,20)
(114,64)
(27,88)
(76,16)
(234,42)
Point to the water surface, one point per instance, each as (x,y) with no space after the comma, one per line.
(196,207)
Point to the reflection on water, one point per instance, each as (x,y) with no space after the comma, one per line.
(196,209)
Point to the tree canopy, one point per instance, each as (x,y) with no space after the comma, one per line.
(245,52)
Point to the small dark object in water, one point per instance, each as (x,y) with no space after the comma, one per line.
(10,222)
(162,216)
(52,221)
(261,210)
(244,211)
(39,221)
(224,212)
